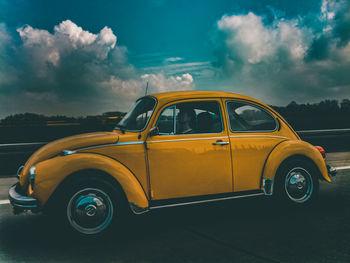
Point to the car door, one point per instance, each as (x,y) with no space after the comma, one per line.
(185,163)
(253,133)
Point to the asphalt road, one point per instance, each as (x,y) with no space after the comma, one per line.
(244,230)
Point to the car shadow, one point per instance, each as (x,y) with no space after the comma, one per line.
(252,224)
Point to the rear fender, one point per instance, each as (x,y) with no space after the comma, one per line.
(288,149)
(52,172)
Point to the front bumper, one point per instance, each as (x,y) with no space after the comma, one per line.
(20,202)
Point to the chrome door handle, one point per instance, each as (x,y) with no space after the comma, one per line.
(220,143)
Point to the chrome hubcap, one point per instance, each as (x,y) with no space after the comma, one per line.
(299,185)
(90,211)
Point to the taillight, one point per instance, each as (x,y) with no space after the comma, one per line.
(321,150)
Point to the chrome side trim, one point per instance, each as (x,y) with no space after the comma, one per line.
(268,186)
(270,136)
(109,145)
(205,201)
(189,139)
(95,147)
(130,143)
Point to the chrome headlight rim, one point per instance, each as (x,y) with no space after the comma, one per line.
(32,176)
(19,171)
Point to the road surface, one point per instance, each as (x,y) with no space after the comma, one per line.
(245,230)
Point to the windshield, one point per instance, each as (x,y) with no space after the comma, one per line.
(138,117)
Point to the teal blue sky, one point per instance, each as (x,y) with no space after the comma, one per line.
(277,51)
(151,27)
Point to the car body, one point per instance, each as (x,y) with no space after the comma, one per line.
(172,149)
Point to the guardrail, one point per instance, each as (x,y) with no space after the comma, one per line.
(324,132)
(24,144)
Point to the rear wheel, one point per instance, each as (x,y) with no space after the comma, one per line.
(297,182)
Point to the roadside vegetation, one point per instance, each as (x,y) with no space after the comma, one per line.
(31,127)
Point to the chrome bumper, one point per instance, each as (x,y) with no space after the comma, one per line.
(19,202)
(332,172)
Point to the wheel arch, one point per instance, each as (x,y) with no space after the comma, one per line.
(65,169)
(289,150)
(300,157)
(79,175)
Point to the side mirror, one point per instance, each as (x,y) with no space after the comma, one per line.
(153,131)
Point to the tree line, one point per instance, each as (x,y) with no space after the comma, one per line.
(327,114)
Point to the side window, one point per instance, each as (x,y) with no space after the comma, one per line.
(246,117)
(191,118)
(166,123)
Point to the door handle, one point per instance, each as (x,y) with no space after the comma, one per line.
(220,142)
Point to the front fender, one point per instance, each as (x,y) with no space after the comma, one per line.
(50,173)
(291,148)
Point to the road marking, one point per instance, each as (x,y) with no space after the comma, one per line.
(4,202)
(342,168)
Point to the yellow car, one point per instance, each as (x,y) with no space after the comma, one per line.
(171,149)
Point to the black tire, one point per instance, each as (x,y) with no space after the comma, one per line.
(296,183)
(91,206)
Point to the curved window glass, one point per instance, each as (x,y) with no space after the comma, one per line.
(245,117)
(138,117)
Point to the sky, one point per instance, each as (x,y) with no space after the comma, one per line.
(83,58)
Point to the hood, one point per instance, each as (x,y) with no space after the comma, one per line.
(69,143)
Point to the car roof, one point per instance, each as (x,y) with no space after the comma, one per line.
(178,95)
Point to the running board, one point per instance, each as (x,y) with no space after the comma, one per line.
(205,201)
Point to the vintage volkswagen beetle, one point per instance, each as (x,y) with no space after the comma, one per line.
(171,149)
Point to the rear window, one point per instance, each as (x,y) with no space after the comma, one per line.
(244,117)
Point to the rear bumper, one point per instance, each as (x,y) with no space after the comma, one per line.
(20,202)
(332,172)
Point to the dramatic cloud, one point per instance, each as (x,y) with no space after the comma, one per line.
(156,83)
(163,84)
(296,59)
(71,71)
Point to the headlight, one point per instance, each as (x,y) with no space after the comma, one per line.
(32,176)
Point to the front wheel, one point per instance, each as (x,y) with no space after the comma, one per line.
(90,211)
(91,206)
(297,182)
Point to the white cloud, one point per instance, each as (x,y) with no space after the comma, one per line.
(72,71)
(248,39)
(134,88)
(77,36)
(288,59)
(159,83)
(66,38)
